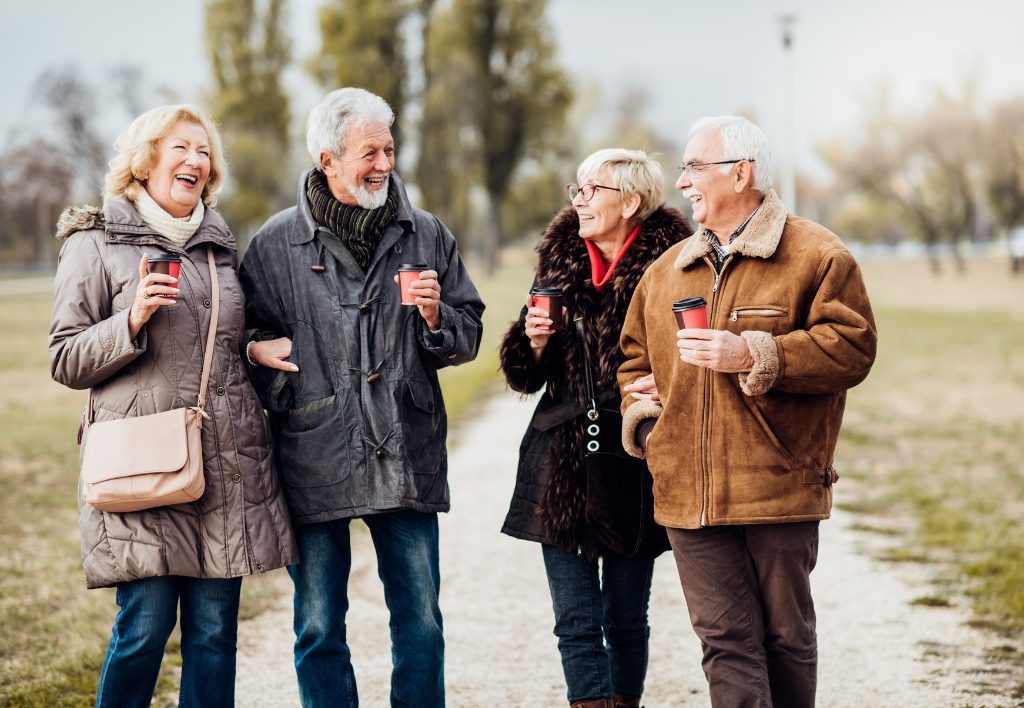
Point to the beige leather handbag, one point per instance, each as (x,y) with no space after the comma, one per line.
(150,460)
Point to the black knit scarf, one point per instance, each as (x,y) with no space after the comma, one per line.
(358,229)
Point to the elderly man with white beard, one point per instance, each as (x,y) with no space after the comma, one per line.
(348,375)
(741,435)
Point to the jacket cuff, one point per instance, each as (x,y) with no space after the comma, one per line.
(442,341)
(636,414)
(766,363)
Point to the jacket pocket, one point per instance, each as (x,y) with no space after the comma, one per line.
(424,431)
(770,433)
(762,318)
(312,443)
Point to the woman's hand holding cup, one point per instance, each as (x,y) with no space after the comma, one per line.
(538,328)
(154,291)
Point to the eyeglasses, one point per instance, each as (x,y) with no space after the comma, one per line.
(587,190)
(692,168)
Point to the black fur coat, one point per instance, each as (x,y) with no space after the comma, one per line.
(548,501)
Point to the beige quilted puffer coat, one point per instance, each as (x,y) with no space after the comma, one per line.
(240,525)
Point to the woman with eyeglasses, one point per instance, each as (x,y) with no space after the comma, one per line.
(595,252)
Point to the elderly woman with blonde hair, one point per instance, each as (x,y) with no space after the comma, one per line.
(594,252)
(137,339)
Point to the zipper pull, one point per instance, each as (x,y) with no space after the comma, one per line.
(734,316)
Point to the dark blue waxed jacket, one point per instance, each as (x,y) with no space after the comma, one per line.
(361,427)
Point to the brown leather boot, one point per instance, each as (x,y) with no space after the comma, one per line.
(623,702)
(598,703)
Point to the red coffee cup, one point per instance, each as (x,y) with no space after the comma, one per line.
(407,274)
(691,313)
(168,264)
(549,299)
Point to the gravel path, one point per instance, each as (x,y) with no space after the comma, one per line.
(876,649)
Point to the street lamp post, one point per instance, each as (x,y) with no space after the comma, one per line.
(789,163)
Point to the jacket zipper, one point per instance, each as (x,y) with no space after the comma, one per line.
(755,312)
(705,433)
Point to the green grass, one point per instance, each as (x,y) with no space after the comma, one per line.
(53,632)
(931,601)
(465,387)
(934,435)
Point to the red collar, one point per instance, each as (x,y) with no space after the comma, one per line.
(601,273)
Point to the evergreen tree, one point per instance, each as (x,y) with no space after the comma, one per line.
(248,55)
(362,44)
(507,101)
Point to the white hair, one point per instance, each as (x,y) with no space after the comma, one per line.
(741,140)
(632,171)
(330,120)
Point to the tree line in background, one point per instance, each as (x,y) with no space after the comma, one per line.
(948,174)
(489,130)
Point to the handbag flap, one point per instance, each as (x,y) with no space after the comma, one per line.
(142,445)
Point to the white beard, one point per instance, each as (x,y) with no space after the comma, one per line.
(367,199)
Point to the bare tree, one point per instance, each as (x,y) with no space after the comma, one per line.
(923,166)
(36,181)
(1003,173)
(74,104)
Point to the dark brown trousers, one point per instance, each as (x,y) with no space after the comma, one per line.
(748,592)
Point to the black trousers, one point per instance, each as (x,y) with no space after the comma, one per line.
(748,593)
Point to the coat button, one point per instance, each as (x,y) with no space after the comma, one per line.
(379,452)
(207,303)
(373,377)
(317,268)
(365,307)
(220,390)
(236,477)
(259,568)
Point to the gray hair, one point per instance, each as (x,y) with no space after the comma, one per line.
(741,139)
(330,120)
(632,172)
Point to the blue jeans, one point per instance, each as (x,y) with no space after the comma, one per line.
(406,543)
(149,611)
(600,622)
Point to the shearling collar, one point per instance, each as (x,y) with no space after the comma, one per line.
(759,239)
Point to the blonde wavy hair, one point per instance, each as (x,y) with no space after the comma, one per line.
(136,152)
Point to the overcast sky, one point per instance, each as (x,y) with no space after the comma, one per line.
(691,58)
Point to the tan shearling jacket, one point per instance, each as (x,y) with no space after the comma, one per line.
(758,447)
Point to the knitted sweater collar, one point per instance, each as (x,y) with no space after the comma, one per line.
(174,229)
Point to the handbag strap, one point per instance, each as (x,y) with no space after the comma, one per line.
(210,338)
(588,373)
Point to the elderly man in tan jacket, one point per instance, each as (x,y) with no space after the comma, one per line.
(740,431)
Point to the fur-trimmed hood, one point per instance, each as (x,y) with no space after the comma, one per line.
(79,218)
(549,498)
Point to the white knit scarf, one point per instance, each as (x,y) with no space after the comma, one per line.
(177,230)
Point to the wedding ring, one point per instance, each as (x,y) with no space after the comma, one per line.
(145,295)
